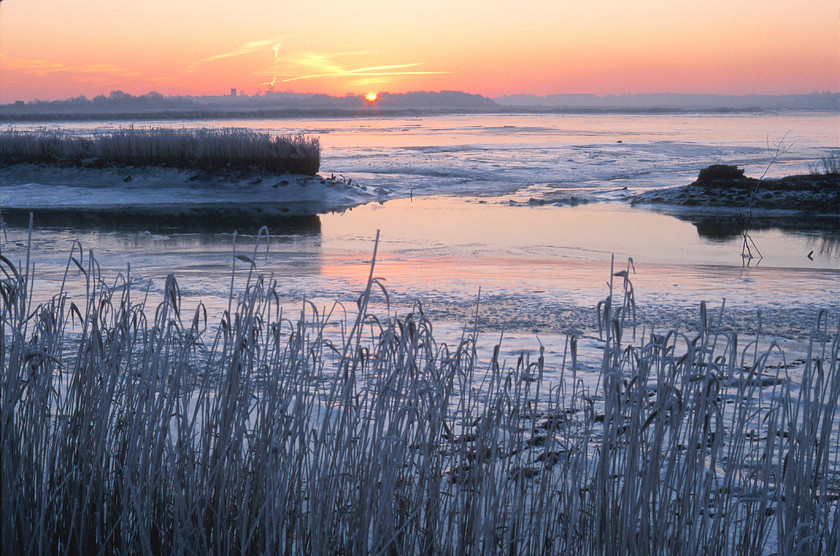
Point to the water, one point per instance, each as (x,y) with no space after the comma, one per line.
(528,209)
(594,155)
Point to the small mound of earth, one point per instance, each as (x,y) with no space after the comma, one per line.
(726,186)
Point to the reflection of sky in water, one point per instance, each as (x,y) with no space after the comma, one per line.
(541,270)
(440,227)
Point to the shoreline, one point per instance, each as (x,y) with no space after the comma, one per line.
(158,197)
(145,193)
(11,114)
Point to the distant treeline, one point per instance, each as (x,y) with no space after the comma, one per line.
(119,105)
(676,101)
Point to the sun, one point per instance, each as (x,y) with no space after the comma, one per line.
(370,97)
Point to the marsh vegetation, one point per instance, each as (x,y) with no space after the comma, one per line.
(205,149)
(137,427)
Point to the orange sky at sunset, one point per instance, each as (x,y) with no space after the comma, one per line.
(55,50)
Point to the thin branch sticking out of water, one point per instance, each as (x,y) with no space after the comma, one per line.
(748,245)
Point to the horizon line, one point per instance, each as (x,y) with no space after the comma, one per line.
(235,94)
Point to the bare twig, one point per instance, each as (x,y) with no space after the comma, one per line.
(749,250)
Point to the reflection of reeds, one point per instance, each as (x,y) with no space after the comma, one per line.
(181,148)
(131,430)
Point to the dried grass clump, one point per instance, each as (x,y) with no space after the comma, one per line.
(828,164)
(130,429)
(181,148)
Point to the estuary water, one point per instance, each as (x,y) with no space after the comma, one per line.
(512,220)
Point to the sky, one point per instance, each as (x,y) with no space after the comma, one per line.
(57,49)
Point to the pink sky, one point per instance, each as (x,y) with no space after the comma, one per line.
(55,50)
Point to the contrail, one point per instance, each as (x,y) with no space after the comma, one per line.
(276,49)
(370,71)
(246,48)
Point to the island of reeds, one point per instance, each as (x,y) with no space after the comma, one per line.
(205,149)
(135,429)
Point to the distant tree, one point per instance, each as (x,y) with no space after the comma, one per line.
(79,100)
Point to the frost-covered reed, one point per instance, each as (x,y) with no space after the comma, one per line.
(180,148)
(131,429)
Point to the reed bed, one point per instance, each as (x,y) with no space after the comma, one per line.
(211,149)
(132,429)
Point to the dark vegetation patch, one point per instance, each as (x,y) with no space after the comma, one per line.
(721,185)
(728,177)
(719,173)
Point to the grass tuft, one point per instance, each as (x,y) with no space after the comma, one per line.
(828,164)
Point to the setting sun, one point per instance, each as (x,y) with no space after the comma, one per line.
(370,97)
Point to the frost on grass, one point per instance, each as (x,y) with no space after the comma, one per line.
(168,177)
(180,148)
(128,428)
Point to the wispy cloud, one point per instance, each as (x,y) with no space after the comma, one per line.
(42,68)
(97,78)
(373,70)
(246,48)
(315,66)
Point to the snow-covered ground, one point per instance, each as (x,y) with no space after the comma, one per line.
(154,189)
